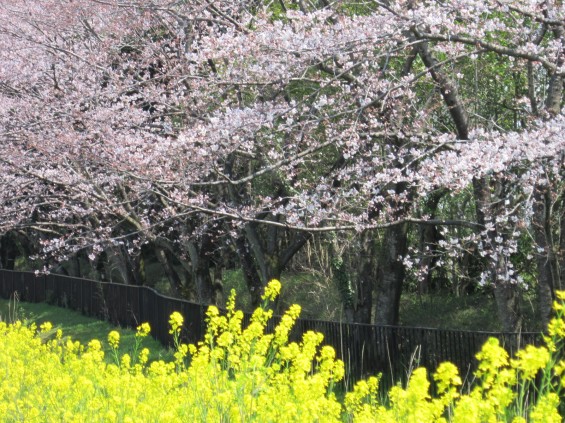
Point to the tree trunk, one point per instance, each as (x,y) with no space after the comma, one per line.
(545,259)
(429,238)
(166,262)
(341,275)
(265,251)
(126,266)
(391,273)
(74,266)
(8,252)
(448,92)
(200,257)
(250,273)
(506,292)
(560,282)
(365,279)
(508,304)
(217,285)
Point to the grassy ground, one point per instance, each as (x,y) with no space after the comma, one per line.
(442,311)
(476,312)
(78,327)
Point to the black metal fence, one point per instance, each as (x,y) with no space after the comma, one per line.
(365,349)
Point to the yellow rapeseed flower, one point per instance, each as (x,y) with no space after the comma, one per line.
(546,410)
(144,356)
(46,327)
(272,290)
(447,377)
(530,360)
(94,345)
(246,374)
(125,362)
(175,322)
(114,339)
(143,330)
(556,328)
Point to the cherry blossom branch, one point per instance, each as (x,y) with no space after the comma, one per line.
(496,48)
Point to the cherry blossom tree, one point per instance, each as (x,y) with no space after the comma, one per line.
(182,125)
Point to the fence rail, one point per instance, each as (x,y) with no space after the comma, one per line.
(365,349)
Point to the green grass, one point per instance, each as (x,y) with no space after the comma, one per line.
(78,327)
(476,312)
(442,311)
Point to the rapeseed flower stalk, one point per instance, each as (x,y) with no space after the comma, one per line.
(114,342)
(142,331)
(272,290)
(45,327)
(114,339)
(253,371)
(176,321)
